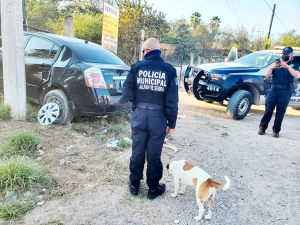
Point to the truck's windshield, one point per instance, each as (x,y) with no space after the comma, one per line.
(258,59)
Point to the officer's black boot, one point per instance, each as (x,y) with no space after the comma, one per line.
(154,192)
(275,135)
(134,190)
(261,131)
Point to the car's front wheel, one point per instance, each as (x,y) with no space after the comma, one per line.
(239,104)
(59,97)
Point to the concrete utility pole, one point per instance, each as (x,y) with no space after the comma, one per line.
(69,26)
(267,39)
(13,58)
(25,23)
(142,42)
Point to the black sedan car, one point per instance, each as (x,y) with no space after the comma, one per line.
(82,78)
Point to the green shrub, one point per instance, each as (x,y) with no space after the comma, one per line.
(19,173)
(81,169)
(19,144)
(14,209)
(83,128)
(119,118)
(123,143)
(32,111)
(53,222)
(1,97)
(4,112)
(102,138)
(118,129)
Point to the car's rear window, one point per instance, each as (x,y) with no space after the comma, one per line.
(96,54)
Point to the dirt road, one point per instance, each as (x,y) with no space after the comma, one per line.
(264,174)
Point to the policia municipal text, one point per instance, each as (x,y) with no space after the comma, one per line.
(278,95)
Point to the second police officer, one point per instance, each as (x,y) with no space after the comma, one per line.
(278,95)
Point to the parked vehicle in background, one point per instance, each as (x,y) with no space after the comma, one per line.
(239,84)
(83,78)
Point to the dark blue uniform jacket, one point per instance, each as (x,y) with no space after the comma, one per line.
(153,81)
(282,75)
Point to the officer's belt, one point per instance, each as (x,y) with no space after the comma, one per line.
(281,86)
(147,105)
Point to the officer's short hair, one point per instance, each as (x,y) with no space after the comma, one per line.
(287,50)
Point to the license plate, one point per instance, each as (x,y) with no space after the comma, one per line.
(213,88)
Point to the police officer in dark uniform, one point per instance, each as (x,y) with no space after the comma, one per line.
(152,87)
(278,95)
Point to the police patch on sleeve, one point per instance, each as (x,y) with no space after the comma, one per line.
(176,81)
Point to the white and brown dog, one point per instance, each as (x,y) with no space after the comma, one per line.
(192,175)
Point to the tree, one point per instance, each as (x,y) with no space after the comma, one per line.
(87,26)
(215,23)
(195,19)
(289,39)
(136,16)
(39,12)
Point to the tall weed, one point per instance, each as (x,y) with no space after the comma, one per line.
(19,144)
(19,173)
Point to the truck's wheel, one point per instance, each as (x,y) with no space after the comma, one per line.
(239,104)
(58,97)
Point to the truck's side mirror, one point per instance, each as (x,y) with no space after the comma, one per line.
(187,72)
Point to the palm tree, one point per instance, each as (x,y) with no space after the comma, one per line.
(195,19)
(215,23)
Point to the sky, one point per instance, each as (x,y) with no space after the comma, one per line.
(252,14)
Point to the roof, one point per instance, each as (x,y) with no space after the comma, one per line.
(60,37)
(280,51)
(282,47)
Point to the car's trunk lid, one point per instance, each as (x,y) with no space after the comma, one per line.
(114,76)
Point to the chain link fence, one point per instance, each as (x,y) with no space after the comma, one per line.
(173,54)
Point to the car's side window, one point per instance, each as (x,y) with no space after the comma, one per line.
(38,47)
(64,57)
(53,51)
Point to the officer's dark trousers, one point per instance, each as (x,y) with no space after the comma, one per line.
(148,133)
(279,99)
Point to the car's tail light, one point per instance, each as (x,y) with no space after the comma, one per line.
(94,78)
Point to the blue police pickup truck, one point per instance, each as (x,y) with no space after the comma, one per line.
(239,84)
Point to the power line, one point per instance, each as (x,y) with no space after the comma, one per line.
(232,12)
(243,10)
(202,9)
(276,16)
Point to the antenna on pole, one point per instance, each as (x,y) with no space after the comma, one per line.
(267,39)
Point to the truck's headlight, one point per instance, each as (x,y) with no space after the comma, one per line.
(216,76)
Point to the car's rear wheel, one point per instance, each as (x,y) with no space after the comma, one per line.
(58,97)
(239,104)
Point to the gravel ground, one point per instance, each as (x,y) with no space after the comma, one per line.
(264,174)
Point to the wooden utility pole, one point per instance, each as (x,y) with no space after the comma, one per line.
(13,57)
(267,39)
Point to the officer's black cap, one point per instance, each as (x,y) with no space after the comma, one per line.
(287,50)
